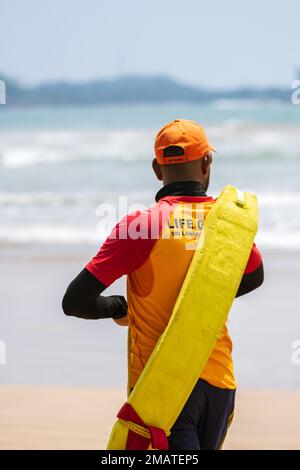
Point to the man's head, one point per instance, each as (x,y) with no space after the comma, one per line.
(182,153)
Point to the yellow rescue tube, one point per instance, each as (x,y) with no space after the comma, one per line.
(198,317)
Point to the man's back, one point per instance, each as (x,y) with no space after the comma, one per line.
(156,259)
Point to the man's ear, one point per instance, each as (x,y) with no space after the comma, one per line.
(206,162)
(156,169)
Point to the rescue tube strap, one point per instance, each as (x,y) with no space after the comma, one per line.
(149,434)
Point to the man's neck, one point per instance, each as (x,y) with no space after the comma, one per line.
(181,188)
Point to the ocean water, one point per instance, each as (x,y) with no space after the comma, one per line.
(57,165)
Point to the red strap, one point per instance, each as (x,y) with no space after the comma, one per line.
(135,441)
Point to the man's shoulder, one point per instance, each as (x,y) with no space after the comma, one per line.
(149,220)
(144,221)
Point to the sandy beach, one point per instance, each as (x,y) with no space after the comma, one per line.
(81,418)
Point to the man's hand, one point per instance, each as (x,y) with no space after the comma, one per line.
(121,307)
(118,306)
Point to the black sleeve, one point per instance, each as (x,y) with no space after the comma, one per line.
(83,300)
(251,281)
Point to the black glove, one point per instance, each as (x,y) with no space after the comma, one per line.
(118,306)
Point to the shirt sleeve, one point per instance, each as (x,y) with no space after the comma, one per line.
(253,276)
(254,261)
(125,249)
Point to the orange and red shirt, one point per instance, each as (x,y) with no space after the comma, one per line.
(154,248)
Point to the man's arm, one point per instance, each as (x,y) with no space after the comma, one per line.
(254,273)
(117,256)
(83,300)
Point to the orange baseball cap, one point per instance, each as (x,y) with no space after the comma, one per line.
(181,141)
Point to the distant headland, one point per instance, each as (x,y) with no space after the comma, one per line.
(129,89)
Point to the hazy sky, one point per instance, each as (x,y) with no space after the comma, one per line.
(217,43)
